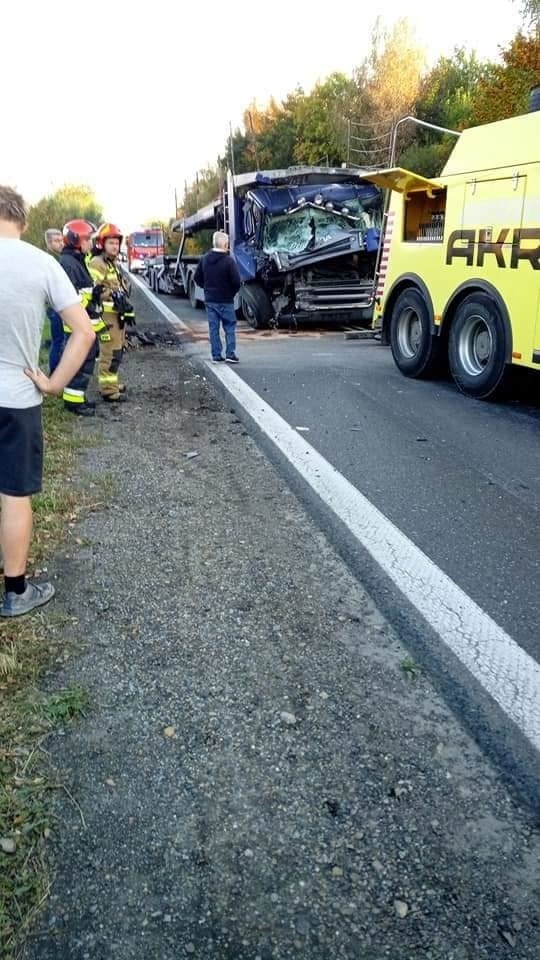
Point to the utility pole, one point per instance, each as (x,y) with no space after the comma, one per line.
(232,148)
(254,139)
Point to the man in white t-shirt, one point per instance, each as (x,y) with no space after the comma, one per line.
(29,281)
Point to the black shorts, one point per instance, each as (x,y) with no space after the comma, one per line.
(21,451)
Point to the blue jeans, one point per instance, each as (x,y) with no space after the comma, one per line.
(221,313)
(57,339)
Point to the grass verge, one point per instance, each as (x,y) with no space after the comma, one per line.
(27,715)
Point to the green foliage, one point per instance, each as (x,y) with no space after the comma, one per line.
(270,135)
(530,12)
(172,242)
(505,92)
(203,190)
(280,133)
(67,203)
(409,667)
(320,129)
(445,98)
(199,243)
(390,83)
(57,708)
(447,92)
(428,159)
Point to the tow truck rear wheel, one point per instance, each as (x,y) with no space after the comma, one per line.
(478,347)
(414,348)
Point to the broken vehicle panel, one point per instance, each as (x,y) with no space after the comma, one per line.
(306,241)
(312,246)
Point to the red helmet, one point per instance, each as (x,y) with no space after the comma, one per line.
(76,230)
(107,231)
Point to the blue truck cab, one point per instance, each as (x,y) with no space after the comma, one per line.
(306,241)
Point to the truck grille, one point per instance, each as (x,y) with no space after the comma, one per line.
(334,296)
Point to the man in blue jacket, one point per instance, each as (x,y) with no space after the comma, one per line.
(218,275)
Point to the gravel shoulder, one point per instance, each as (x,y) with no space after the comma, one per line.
(264,773)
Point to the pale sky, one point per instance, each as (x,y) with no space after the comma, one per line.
(132,97)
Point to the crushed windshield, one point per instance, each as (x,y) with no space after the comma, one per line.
(306,229)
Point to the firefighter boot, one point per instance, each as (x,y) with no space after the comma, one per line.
(114,397)
(80,409)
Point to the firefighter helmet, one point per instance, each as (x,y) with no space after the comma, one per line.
(76,230)
(107,231)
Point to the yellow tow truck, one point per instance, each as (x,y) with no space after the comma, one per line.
(458,278)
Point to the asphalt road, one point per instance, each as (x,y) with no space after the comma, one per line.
(460,478)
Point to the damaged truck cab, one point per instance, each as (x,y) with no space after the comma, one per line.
(305,239)
(306,244)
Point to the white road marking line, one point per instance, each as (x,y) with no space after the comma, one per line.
(502,667)
(505,670)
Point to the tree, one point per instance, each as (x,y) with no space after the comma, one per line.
(267,138)
(319,120)
(202,190)
(530,11)
(446,98)
(447,92)
(68,203)
(279,139)
(505,92)
(388,83)
(272,133)
(393,71)
(428,159)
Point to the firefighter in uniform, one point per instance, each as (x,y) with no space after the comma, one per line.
(117,310)
(77,236)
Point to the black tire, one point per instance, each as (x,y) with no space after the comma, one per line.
(256,306)
(478,347)
(195,303)
(414,348)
